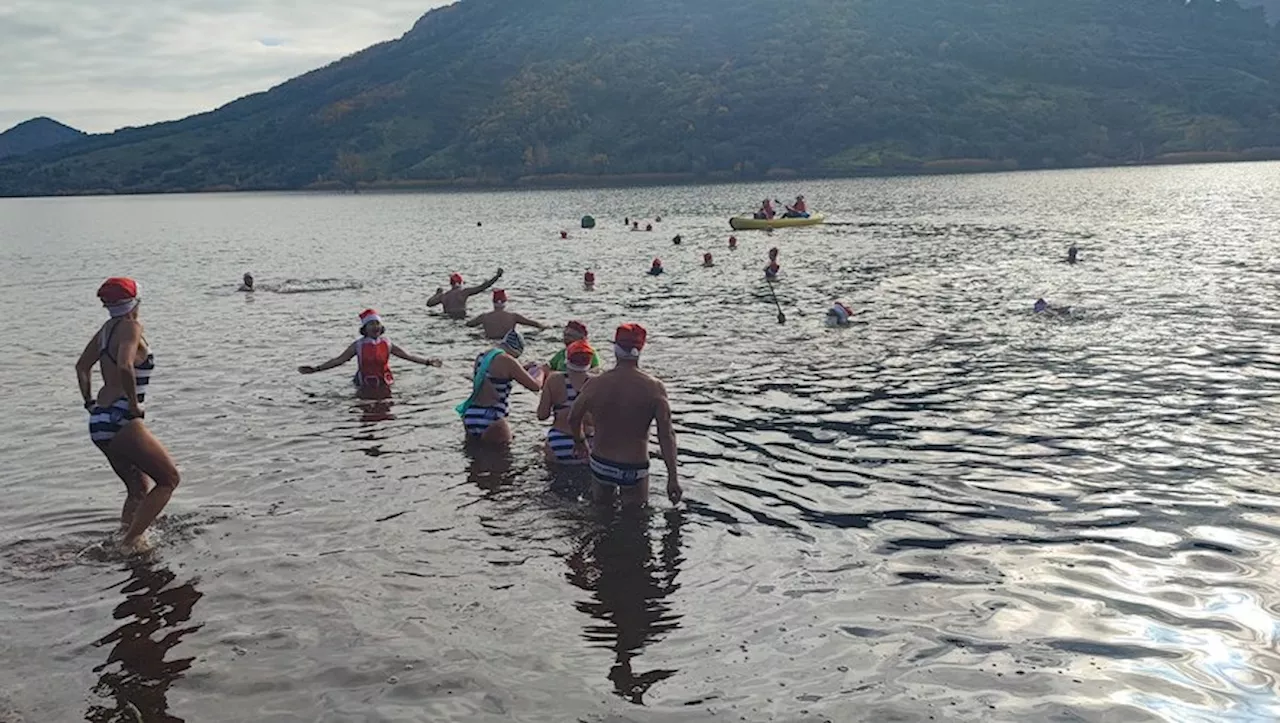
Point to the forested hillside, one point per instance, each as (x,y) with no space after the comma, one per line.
(495,91)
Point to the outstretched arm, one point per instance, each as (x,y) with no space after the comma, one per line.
(667,442)
(84,370)
(512,369)
(436,298)
(337,361)
(529,322)
(476,321)
(397,351)
(485,286)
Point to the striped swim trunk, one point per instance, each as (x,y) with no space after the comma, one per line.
(618,474)
(561,446)
(477,420)
(105,422)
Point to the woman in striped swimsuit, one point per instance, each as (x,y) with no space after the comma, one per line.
(116,415)
(484,414)
(558,394)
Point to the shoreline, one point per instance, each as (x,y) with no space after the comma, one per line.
(572,181)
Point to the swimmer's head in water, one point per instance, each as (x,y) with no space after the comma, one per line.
(1041,306)
(574,331)
(589,278)
(499,298)
(248,279)
(371,324)
(455,280)
(579,356)
(657,263)
(119,294)
(628,341)
(513,342)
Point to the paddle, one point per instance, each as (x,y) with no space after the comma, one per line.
(782,318)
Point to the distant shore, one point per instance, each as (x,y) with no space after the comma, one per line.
(565,181)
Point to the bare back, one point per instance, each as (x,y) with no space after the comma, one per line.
(454,302)
(497,323)
(623,403)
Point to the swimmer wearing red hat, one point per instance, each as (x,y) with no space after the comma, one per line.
(116,414)
(454,300)
(623,403)
(656,268)
(559,392)
(499,322)
(839,314)
(574,331)
(372,352)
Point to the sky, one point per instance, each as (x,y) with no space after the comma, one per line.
(99,65)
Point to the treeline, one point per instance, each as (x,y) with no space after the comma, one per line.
(496,91)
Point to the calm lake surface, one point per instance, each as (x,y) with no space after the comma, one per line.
(955,510)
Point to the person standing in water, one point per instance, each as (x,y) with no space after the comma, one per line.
(248,283)
(558,395)
(372,352)
(454,300)
(574,331)
(623,403)
(116,414)
(484,413)
(498,322)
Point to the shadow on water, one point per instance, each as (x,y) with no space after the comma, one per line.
(613,560)
(136,677)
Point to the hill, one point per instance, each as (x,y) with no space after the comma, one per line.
(495,91)
(35,134)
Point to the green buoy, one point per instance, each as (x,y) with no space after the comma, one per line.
(588,222)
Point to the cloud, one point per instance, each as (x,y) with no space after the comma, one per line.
(98,65)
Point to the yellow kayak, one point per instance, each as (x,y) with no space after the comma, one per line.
(747,223)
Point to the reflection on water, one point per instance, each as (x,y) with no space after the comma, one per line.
(630,591)
(136,677)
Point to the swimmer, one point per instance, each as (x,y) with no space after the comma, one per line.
(623,403)
(648,227)
(558,394)
(589,280)
(372,352)
(733,243)
(839,314)
(1043,307)
(484,413)
(454,300)
(626,221)
(574,332)
(564,235)
(248,283)
(116,414)
(635,226)
(707,261)
(656,269)
(498,322)
(677,240)
(1072,253)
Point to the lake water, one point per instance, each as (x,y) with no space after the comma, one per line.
(954,510)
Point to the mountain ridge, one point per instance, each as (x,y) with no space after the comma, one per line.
(494,91)
(35,134)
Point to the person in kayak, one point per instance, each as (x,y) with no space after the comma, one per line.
(116,415)
(574,332)
(248,283)
(799,209)
(839,314)
(623,403)
(656,269)
(498,322)
(454,300)
(558,394)
(484,413)
(372,352)
(766,211)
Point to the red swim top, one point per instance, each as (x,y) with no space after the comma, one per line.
(374,359)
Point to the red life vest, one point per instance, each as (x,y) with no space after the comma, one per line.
(373,357)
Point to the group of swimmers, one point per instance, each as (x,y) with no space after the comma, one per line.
(600,419)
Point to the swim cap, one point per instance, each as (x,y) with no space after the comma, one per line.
(578,327)
(733,240)
(367,317)
(119,294)
(455,279)
(589,277)
(657,262)
(628,341)
(499,297)
(513,341)
(579,356)
(706,257)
